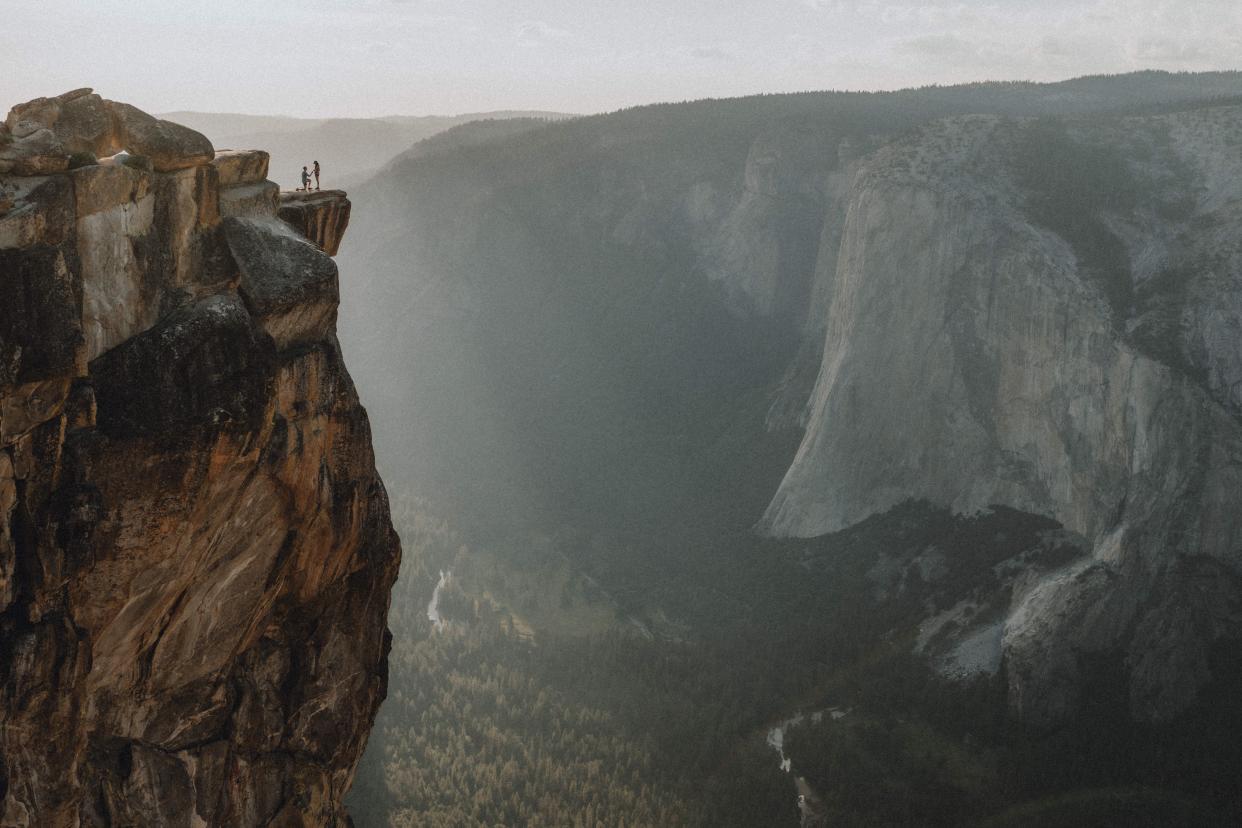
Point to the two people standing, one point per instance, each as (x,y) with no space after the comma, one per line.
(306,177)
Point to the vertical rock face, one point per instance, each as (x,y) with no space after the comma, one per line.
(195,549)
(320,216)
(982,349)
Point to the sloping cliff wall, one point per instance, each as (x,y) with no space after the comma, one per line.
(966,308)
(195,549)
(1062,338)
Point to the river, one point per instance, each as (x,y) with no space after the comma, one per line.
(809,804)
(433,608)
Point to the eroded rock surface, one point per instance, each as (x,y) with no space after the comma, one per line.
(981,348)
(39,136)
(320,216)
(195,549)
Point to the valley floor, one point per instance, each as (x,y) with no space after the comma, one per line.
(529,692)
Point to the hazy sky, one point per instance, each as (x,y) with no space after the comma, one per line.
(374,57)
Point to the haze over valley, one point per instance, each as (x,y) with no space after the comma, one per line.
(704,385)
(791,413)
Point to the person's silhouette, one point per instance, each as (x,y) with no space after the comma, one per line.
(305,179)
(316,175)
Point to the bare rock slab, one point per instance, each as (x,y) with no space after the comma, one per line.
(241,166)
(319,216)
(289,284)
(169,146)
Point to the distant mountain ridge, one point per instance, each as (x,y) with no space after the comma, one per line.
(346,148)
(1009,308)
(634,320)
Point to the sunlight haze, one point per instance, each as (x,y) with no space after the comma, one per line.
(360,58)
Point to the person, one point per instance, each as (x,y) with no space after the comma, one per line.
(305,179)
(316,175)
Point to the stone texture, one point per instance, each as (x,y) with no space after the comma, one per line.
(970,358)
(27,406)
(119,300)
(241,166)
(34,152)
(753,244)
(202,363)
(41,212)
(99,187)
(31,116)
(320,216)
(74,94)
(289,285)
(87,124)
(251,200)
(169,146)
(195,548)
(40,329)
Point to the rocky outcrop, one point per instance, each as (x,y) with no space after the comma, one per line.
(289,286)
(195,549)
(974,356)
(39,136)
(320,216)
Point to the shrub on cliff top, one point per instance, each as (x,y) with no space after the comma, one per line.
(82,159)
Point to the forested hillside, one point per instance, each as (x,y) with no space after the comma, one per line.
(894,410)
(641,722)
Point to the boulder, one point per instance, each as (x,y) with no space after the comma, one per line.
(32,116)
(288,284)
(86,124)
(74,94)
(38,152)
(169,146)
(124,276)
(241,166)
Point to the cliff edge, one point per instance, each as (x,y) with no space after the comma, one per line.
(196,552)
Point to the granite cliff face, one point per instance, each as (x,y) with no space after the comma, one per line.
(985,346)
(798,313)
(320,216)
(195,549)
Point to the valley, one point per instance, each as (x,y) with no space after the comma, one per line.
(677,420)
(728,415)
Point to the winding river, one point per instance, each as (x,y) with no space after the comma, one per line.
(809,805)
(433,608)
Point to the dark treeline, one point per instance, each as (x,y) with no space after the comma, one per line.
(489,724)
(592,408)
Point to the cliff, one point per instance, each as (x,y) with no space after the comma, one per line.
(195,548)
(798,312)
(1048,319)
(320,216)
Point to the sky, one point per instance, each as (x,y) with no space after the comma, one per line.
(359,58)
